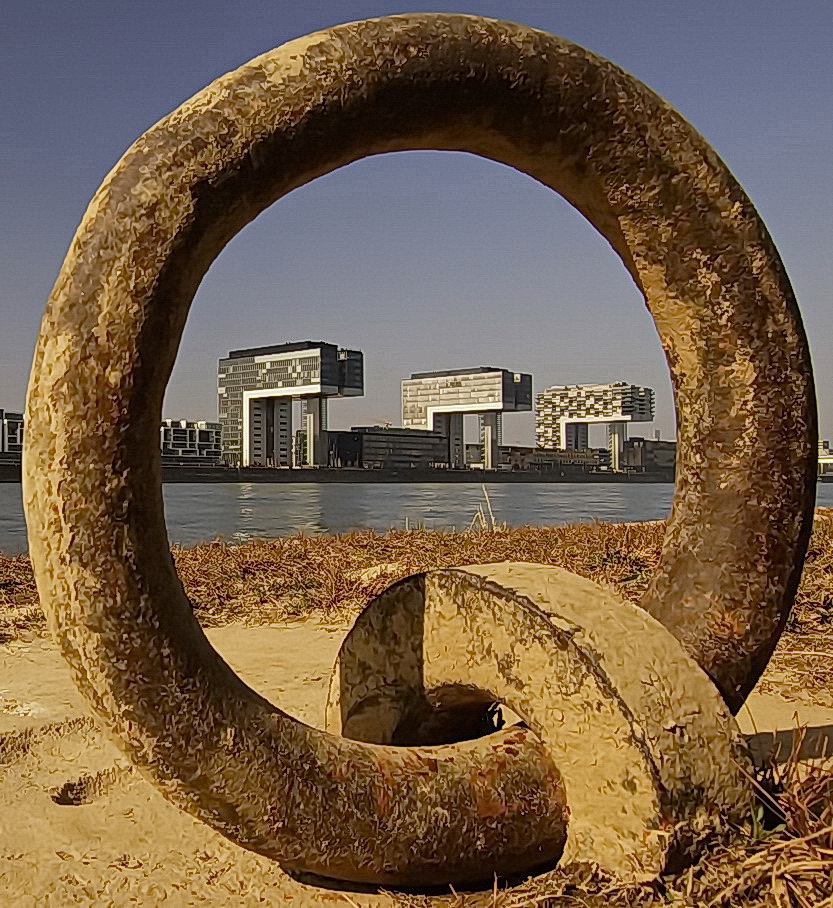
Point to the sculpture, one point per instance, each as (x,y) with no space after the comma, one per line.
(725,314)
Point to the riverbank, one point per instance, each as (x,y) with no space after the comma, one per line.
(80,827)
(300,576)
(11,473)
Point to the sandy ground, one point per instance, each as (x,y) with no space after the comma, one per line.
(77,826)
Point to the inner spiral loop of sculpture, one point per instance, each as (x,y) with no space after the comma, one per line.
(362,808)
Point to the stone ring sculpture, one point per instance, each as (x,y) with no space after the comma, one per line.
(725,315)
(651,761)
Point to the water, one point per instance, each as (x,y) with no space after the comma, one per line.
(238,512)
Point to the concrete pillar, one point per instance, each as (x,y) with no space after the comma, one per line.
(267,432)
(282,431)
(490,438)
(451,425)
(456,447)
(617,432)
(254,423)
(315,425)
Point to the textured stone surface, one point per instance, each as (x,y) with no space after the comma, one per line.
(649,754)
(92,493)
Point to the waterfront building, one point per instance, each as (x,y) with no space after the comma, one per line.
(257,387)
(438,401)
(550,460)
(11,434)
(649,455)
(193,442)
(564,413)
(825,458)
(516,458)
(179,439)
(387,448)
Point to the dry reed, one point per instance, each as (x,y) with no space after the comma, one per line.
(788,865)
(298,576)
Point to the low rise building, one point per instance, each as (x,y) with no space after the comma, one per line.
(11,434)
(548,460)
(649,455)
(186,441)
(522,457)
(385,447)
(825,458)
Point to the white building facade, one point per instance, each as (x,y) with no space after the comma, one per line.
(256,389)
(563,414)
(438,401)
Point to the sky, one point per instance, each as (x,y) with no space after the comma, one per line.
(423,260)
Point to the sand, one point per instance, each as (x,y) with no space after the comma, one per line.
(78,826)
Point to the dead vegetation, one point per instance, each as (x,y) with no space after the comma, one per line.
(298,576)
(294,577)
(784,858)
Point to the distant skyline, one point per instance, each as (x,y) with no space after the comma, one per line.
(423,260)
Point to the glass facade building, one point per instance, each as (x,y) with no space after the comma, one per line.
(256,388)
(387,448)
(437,401)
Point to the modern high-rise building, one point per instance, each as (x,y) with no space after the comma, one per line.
(564,412)
(257,386)
(437,401)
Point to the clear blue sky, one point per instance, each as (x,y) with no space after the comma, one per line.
(422,260)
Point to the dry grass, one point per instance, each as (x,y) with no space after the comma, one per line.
(298,576)
(786,862)
(785,856)
(20,611)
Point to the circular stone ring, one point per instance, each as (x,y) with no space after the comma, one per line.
(649,755)
(688,236)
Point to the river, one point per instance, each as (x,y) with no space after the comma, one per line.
(238,512)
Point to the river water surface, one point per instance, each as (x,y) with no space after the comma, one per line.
(238,512)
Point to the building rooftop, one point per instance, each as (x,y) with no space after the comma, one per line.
(597,386)
(395,430)
(278,348)
(471,371)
